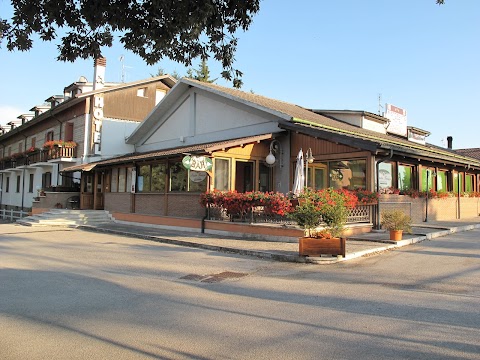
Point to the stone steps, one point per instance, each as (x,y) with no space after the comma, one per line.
(67,218)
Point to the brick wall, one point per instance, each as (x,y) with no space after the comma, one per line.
(151,204)
(172,204)
(438,209)
(117,201)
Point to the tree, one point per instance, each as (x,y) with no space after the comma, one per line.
(202,74)
(178,30)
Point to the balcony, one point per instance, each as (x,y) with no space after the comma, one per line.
(54,154)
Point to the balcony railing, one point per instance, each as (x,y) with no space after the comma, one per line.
(56,152)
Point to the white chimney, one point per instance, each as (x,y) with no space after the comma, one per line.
(99,73)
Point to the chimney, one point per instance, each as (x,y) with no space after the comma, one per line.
(449,142)
(99,73)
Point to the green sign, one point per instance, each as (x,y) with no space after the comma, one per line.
(197,163)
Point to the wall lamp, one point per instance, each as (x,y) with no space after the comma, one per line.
(274,149)
(308,160)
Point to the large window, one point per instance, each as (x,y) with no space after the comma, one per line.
(178,177)
(348,174)
(265,178)
(385,175)
(427,179)
(143,180)
(159,172)
(441,180)
(456,180)
(153,178)
(469,183)
(405,177)
(222,174)
(18,183)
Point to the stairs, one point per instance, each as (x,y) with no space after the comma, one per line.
(68,218)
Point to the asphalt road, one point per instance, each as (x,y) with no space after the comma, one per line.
(70,294)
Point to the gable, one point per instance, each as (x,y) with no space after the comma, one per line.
(200,116)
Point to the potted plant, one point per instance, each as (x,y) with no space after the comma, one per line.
(328,207)
(396,221)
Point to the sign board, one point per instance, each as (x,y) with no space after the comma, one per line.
(398,119)
(197,176)
(197,163)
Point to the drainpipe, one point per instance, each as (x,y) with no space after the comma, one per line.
(377,167)
(458,194)
(23,174)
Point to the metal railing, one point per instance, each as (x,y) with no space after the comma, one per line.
(359,214)
(12,215)
(56,152)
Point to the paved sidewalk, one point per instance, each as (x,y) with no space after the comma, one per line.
(357,246)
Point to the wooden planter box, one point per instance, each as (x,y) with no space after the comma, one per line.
(315,247)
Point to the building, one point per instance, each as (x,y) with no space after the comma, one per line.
(89,122)
(234,140)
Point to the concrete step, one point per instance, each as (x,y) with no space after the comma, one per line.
(60,217)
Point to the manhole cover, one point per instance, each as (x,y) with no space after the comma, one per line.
(223,276)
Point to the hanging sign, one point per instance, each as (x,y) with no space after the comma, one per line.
(197,163)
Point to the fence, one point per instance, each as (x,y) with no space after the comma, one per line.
(12,215)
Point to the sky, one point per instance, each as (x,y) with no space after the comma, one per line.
(342,54)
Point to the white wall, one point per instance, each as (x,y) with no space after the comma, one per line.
(114,133)
(202,117)
(374,126)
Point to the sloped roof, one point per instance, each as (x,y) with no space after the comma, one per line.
(303,117)
(201,148)
(81,97)
(472,152)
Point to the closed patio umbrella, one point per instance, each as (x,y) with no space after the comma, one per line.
(299,180)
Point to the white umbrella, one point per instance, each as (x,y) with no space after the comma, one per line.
(299,179)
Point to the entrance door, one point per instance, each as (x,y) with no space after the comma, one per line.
(98,197)
(244,176)
(86,191)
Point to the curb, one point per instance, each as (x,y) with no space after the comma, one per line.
(285,258)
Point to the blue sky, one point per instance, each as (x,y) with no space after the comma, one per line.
(319,54)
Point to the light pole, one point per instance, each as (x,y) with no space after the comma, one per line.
(308,160)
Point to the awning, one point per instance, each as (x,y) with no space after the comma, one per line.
(81,167)
(201,148)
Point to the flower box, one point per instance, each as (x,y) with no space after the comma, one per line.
(308,246)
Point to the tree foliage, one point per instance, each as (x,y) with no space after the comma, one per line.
(201,74)
(153,29)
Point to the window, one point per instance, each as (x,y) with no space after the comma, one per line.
(7,184)
(385,175)
(20,147)
(49,136)
(222,174)
(441,180)
(122,173)
(30,184)
(456,180)
(153,178)
(159,172)
(317,176)
(18,183)
(178,177)
(68,131)
(348,174)
(114,185)
(34,142)
(405,177)
(427,179)
(143,181)
(265,178)
(46,180)
(142,92)
(469,183)
(197,181)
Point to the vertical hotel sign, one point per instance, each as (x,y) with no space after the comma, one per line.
(398,120)
(98,102)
